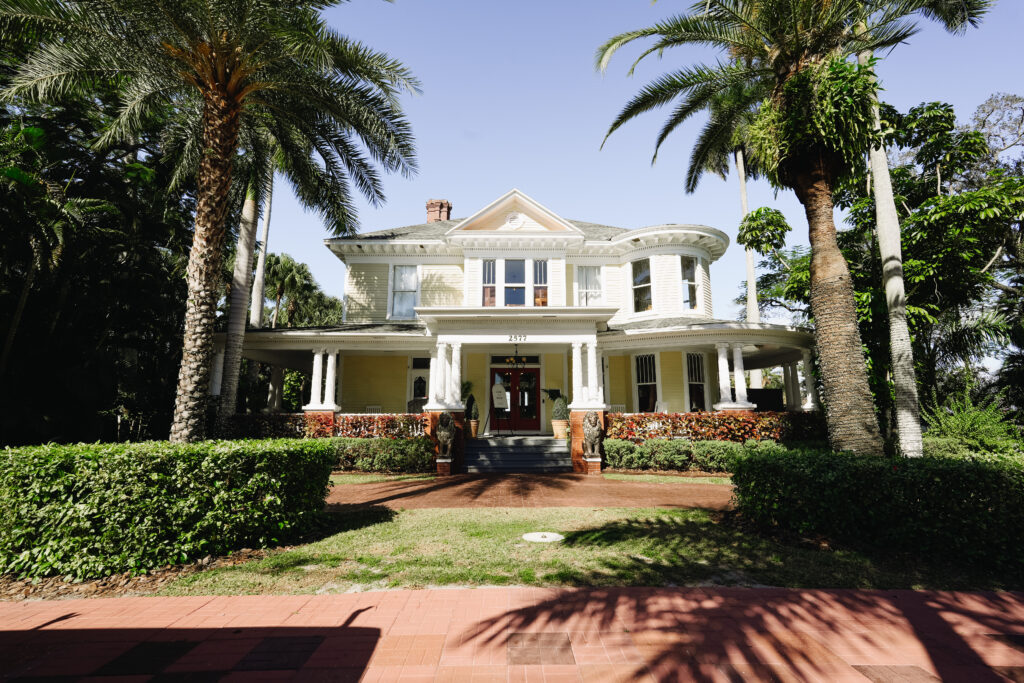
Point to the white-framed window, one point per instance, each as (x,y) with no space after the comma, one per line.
(696,383)
(515,282)
(540,283)
(588,282)
(646,383)
(490,288)
(691,273)
(642,292)
(404,288)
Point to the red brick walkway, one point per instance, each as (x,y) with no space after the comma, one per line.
(542,635)
(531,491)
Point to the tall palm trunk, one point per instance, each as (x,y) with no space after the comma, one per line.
(221,122)
(256,312)
(852,424)
(753,312)
(237,310)
(901,353)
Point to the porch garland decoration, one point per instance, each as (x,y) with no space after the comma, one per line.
(719,426)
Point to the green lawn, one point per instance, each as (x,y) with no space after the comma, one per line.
(666,478)
(373,478)
(378,548)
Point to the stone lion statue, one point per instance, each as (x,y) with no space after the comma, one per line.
(593,435)
(445,435)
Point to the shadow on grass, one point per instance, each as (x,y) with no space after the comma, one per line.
(336,519)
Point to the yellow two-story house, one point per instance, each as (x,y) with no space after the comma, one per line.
(517,297)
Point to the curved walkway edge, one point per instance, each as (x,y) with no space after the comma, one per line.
(522,634)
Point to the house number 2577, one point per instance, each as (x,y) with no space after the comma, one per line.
(517,338)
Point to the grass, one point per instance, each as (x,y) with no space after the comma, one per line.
(666,478)
(378,548)
(374,478)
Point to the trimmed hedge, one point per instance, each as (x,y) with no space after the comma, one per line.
(384,455)
(970,509)
(680,454)
(90,510)
(722,426)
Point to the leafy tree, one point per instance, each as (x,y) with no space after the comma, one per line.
(813,123)
(230,69)
(958,240)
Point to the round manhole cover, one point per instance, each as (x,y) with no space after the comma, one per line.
(542,537)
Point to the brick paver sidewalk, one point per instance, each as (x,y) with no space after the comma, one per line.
(531,491)
(519,634)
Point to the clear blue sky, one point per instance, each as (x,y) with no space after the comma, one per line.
(511,99)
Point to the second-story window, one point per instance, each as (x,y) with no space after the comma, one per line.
(589,282)
(490,297)
(540,283)
(642,300)
(515,282)
(689,265)
(403,292)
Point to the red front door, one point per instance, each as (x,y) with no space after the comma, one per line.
(523,390)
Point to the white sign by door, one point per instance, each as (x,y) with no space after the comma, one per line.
(499,397)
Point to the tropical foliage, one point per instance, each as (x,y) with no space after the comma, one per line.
(726,426)
(234,74)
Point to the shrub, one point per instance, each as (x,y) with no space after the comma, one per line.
(384,455)
(560,411)
(386,425)
(267,426)
(97,509)
(722,426)
(979,427)
(679,454)
(971,509)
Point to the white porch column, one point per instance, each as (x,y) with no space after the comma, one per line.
(592,386)
(442,373)
(811,401)
(789,384)
(316,397)
(602,379)
(738,378)
(724,392)
(455,388)
(331,384)
(276,390)
(217,373)
(577,373)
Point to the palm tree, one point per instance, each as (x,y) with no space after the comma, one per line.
(783,50)
(237,68)
(259,282)
(955,16)
(289,280)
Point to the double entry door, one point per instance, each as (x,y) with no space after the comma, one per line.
(522,389)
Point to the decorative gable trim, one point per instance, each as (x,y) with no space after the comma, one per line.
(512,198)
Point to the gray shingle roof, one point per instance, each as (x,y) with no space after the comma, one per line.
(437,230)
(661,323)
(349,327)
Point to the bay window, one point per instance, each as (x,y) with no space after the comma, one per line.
(689,267)
(642,299)
(540,283)
(515,282)
(646,383)
(489,282)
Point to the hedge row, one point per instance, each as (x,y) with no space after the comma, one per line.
(98,509)
(384,455)
(681,454)
(971,509)
(723,426)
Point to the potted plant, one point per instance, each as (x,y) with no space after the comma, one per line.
(474,416)
(560,417)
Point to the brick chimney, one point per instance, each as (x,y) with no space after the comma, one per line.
(438,210)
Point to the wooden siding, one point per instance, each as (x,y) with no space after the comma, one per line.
(673,392)
(441,285)
(366,293)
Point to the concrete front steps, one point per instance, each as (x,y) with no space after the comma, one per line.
(503,454)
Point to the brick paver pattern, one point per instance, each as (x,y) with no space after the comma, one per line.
(522,634)
(532,491)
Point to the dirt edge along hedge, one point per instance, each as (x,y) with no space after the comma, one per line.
(968,509)
(89,510)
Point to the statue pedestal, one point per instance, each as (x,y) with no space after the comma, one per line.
(447,466)
(580,463)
